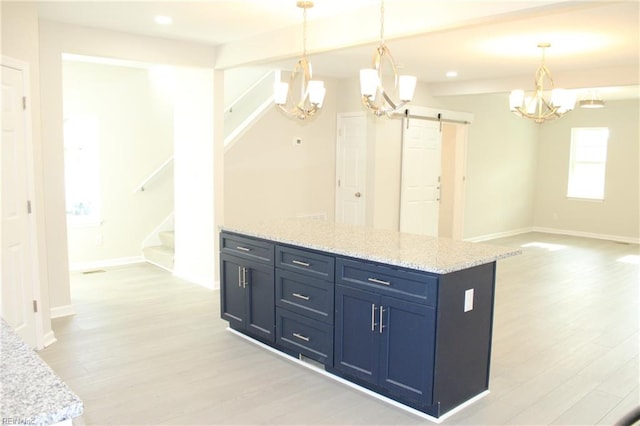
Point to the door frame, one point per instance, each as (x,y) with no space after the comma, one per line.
(338,198)
(38,339)
(462,120)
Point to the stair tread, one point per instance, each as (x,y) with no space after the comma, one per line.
(167,238)
(162,249)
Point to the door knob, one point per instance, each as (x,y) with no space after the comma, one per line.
(357,194)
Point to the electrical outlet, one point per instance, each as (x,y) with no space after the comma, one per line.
(468,300)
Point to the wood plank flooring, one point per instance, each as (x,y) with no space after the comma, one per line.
(147,348)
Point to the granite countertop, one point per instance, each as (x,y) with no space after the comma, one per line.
(430,254)
(31,392)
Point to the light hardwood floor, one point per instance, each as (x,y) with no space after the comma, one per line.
(147,348)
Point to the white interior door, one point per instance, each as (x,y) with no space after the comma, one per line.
(17,255)
(351,169)
(420,184)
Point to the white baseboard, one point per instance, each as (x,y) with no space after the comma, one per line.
(61,311)
(49,339)
(617,238)
(499,235)
(121,261)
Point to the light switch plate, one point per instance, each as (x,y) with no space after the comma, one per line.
(468,300)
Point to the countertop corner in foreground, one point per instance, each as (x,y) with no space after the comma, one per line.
(429,254)
(31,392)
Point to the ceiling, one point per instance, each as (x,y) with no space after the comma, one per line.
(491,44)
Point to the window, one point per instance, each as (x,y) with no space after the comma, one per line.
(82,170)
(587,162)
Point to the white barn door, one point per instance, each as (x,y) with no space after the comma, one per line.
(420,181)
(351,169)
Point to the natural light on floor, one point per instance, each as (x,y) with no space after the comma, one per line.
(634,259)
(547,246)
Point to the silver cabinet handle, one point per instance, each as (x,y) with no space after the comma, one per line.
(243,248)
(301,337)
(244,277)
(300,296)
(377,281)
(381,312)
(358,195)
(301,263)
(373,317)
(239,276)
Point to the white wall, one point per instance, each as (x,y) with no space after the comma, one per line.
(267,177)
(501,166)
(135,116)
(617,217)
(236,81)
(56,39)
(194,173)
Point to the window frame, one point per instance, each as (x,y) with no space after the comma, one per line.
(575,163)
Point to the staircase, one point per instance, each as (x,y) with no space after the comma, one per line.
(162,255)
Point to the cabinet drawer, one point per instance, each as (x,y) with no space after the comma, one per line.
(305,262)
(247,248)
(309,337)
(412,286)
(305,295)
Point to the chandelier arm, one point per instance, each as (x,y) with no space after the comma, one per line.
(374,95)
(542,108)
(311,92)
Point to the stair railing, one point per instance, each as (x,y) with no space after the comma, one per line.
(153,175)
(247,108)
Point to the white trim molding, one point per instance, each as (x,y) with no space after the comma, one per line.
(617,238)
(61,311)
(48,339)
(121,261)
(499,235)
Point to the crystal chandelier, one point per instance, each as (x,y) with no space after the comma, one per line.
(311,91)
(374,96)
(539,107)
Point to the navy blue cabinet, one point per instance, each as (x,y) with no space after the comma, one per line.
(419,338)
(247,286)
(247,296)
(385,341)
(304,302)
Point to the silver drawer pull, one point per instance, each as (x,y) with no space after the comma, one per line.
(243,248)
(301,263)
(300,296)
(377,281)
(301,337)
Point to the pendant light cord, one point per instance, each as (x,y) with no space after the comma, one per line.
(381,21)
(304,32)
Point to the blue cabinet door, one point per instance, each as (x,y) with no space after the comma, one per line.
(247,296)
(356,333)
(260,300)
(407,352)
(232,300)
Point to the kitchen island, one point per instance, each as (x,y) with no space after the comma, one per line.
(31,392)
(404,316)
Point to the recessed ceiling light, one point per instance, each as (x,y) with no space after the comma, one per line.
(163,20)
(452,73)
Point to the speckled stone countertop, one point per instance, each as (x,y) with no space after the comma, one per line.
(31,392)
(430,254)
